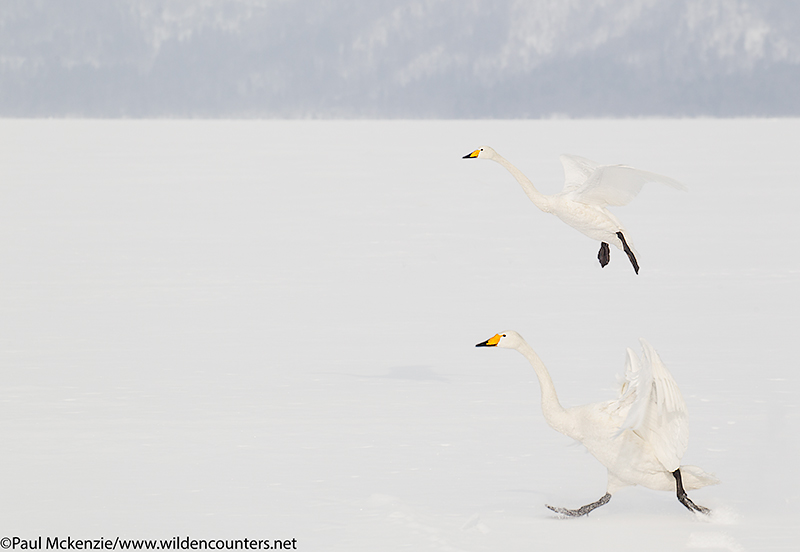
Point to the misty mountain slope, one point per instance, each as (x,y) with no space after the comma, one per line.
(398,58)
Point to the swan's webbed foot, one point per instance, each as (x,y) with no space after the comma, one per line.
(686,501)
(583,510)
(684,498)
(604,255)
(628,252)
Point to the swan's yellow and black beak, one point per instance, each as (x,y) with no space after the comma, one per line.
(491,342)
(472,155)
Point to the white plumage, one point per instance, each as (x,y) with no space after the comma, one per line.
(640,436)
(588,189)
(588,182)
(656,411)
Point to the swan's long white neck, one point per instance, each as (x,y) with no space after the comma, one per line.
(554,413)
(538,198)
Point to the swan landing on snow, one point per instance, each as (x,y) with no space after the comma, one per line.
(588,189)
(639,437)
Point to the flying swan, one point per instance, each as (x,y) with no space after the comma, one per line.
(639,437)
(588,189)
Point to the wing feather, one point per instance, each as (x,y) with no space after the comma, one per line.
(603,185)
(658,413)
(629,400)
(577,170)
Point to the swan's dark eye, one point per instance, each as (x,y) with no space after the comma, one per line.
(504,335)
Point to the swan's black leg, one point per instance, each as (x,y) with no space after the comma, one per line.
(628,252)
(604,254)
(583,510)
(684,498)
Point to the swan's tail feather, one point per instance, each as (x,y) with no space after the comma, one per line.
(695,478)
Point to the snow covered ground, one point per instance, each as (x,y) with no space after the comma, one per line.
(266,329)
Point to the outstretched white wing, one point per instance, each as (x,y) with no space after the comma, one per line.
(601,185)
(577,171)
(658,412)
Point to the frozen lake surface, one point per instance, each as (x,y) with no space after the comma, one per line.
(266,329)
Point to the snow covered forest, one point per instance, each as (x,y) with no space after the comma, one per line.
(399,58)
